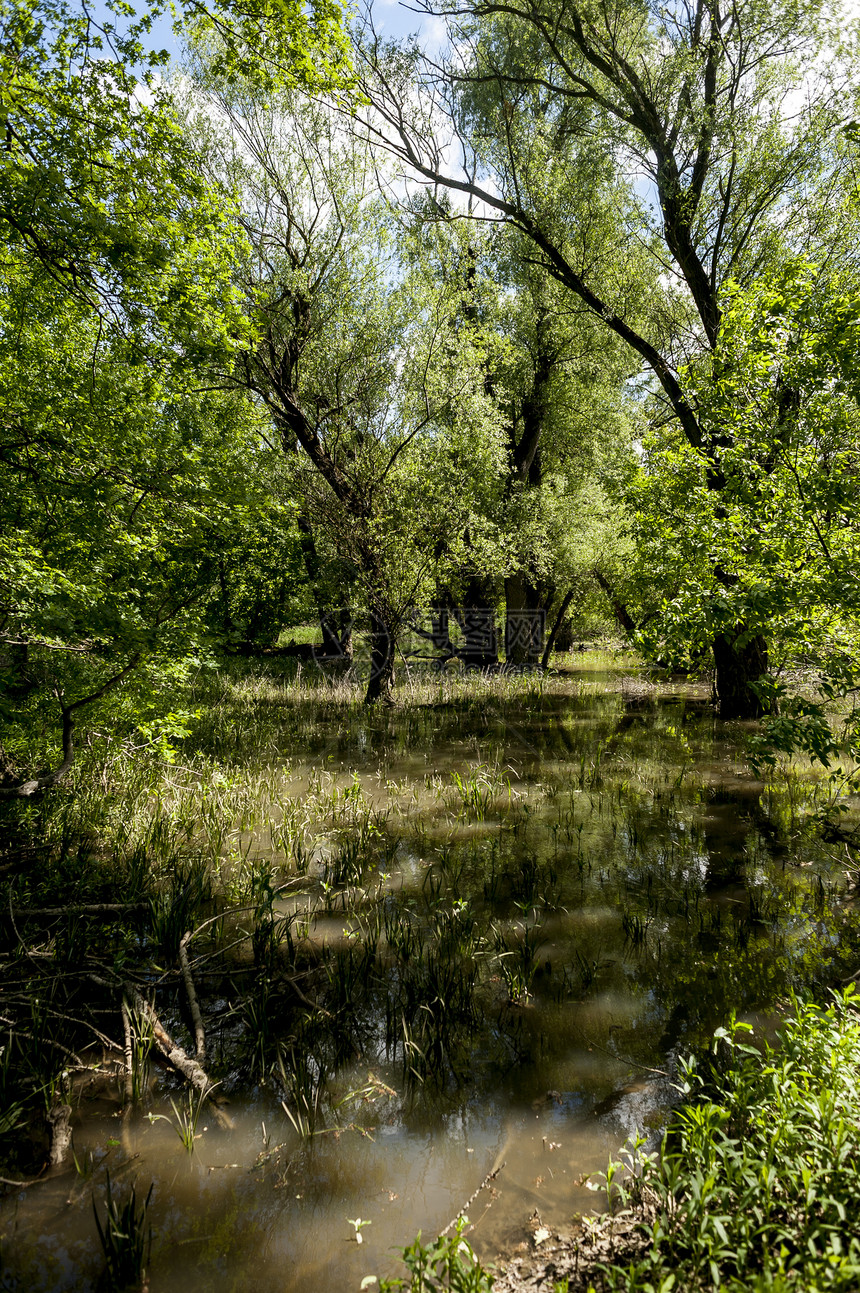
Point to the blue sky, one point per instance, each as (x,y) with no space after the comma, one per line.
(392,18)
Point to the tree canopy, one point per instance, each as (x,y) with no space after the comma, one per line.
(269,346)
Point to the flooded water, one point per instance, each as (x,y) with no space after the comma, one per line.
(522,909)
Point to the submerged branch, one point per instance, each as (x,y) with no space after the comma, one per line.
(194,1074)
(193,1004)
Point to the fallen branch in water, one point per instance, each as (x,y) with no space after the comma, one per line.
(22,1185)
(193,1072)
(193,1004)
(491,1176)
(59,1120)
(82,909)
(129,1057)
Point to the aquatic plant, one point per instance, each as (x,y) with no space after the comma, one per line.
(303,1081)
(138,1047)
(186,1117)
(125,1237)
(176,907)
(448,1263)
(517,958)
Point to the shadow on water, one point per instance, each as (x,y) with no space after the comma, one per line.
(509,909)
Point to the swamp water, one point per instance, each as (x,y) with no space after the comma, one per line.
(477,931)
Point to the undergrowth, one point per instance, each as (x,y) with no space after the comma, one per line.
(758,1182)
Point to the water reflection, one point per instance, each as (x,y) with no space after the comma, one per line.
(580,883)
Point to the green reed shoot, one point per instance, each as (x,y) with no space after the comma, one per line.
(125,1237)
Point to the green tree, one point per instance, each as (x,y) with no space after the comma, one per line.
(116,480)
(554,377)
(783,528)
(350,356)
(93,158)
(700,101)
(124,471)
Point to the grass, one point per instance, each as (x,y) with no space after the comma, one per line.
(126,1240)
(186,1116)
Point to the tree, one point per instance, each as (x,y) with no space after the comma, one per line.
(92,153)
(348,357)
(124,478)
(560,398)
(700,100)
(117,286)
(554,377)
(116,480)
(785,528)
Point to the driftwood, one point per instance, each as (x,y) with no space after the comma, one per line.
(193,1005)
(491,1176)
(106,909)
(61,1133)
(193,1072)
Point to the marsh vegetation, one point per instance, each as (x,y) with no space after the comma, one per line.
(335,965)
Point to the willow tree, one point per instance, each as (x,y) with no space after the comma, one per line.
(719,116)
(559,388)
(350,353)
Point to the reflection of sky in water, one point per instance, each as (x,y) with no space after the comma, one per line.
(655,831)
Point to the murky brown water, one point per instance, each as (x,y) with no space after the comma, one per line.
(613,853)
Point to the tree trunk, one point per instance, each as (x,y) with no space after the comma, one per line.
(344,623)
(477,621)
(383,644)
(524,623)
(559,619)
(736,668)
(619,610)
(335,626)
(440,633)
(331,647)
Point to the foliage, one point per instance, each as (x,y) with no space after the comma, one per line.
(376,403)
(758,1174)
(114,491)
(557,108)
(125,1237)
(127,481)
(100,192)
(775,548)
(447,1263)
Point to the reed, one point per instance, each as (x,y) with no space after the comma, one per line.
(125,1237)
